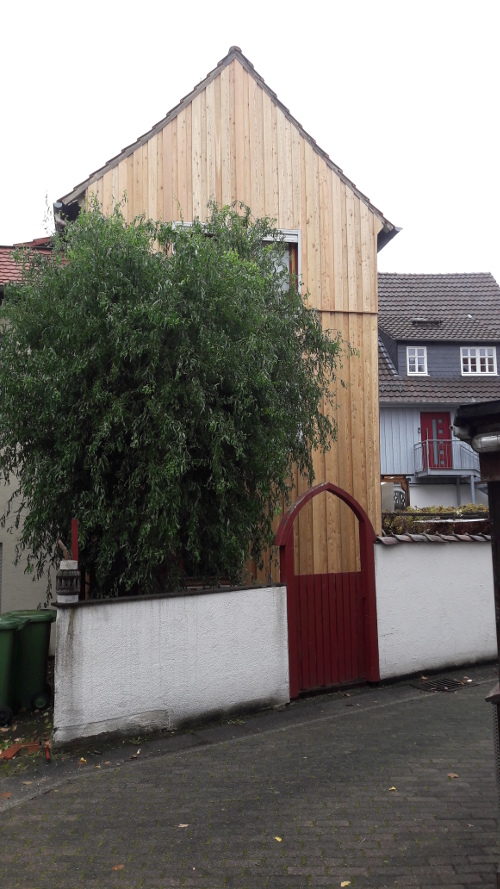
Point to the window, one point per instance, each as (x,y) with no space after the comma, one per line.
(416,359)
(291,258)
(478,359)
(291,253)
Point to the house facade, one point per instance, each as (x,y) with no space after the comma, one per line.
(439,346)
(232,139)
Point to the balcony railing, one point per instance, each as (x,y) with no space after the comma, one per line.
(448,457)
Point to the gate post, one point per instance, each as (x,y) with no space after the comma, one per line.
(367,556)
(286,577)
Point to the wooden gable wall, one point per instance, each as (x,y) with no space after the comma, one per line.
(233,142)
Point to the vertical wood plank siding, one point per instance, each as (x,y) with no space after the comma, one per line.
(233,143)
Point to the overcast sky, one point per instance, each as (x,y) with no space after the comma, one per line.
(404,96)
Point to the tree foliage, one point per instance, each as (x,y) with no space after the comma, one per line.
(159,382)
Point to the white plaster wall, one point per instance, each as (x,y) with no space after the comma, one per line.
(387,494)
(158,663)
(18,590)
(434,606)
(444,495)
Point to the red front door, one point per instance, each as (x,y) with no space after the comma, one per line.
(436,437)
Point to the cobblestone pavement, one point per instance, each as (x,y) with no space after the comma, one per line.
(383,787)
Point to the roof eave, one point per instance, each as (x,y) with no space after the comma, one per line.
(386,234)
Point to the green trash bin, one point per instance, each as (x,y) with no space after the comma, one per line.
(29,662)
(9,628)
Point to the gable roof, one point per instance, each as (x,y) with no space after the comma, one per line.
(457,307)
(461,308)
(388,229)
(42,244)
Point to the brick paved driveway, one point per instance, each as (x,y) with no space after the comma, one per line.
(300,798)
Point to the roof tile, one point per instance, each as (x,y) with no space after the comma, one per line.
(456,307)
(432,390)
(10,270)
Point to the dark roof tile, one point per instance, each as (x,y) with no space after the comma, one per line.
(431,390)
(386,370)
(458,307)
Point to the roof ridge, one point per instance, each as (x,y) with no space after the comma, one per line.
(436,275)
(11,248)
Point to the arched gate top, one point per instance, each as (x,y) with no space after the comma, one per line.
(286,524)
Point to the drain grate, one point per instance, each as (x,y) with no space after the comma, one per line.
(441,684)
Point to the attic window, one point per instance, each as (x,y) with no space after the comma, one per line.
(291,258)
(479,360)
(427,322)
(416,360)
(291,252)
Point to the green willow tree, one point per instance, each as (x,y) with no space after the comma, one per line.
(159,382)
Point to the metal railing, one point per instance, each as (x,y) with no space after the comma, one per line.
(448,456)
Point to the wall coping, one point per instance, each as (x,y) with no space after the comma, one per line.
(175,594)
(391,539)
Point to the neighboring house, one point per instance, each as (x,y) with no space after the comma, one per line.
(231,139)
(17,590)
(439,346)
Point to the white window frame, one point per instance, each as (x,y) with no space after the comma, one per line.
(289,235)
(473,356)
(416,372)
(292,236)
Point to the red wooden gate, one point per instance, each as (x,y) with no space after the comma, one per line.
(332,618)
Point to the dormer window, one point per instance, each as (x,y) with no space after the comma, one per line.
(427,322)
(478,360)
(416,360)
